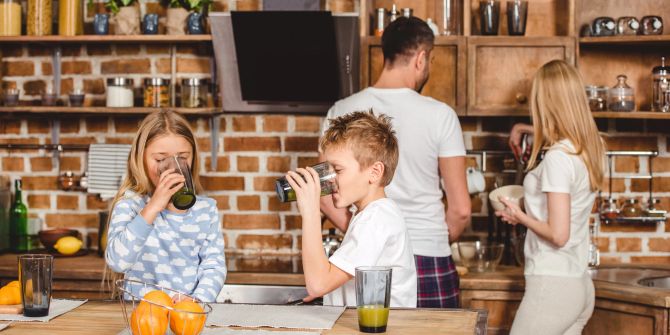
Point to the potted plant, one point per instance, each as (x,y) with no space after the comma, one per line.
(178,15)
(126,16)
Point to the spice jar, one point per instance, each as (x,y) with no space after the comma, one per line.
(156,92)
(119,92)
(10,17)
(652,25)
(603,26)
(621,96)
(627,25)
(653,208)
(194,93)
(38,18)
(597,96)
(66,181)
(631,209)
(608,209)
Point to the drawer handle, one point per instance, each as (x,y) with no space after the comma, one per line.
(521,98)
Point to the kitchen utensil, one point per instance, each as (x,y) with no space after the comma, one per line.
(627,25)
(517,12)
(660,88)
(489,13)
(480,257)
(603,26)
(373,296)
(621,96)
(513,193)
(49,237)
(185,197)
(652,25)
(285,192)
(35,275)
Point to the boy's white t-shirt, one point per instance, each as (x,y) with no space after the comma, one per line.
(426,130)
(562,172)
(377,236)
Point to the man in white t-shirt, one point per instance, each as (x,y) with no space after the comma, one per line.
(363,152)
(431,151)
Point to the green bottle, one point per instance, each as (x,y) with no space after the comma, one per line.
(18,222)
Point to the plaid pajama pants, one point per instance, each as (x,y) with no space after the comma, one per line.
(437,282)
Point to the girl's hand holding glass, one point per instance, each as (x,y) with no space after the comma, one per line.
(307,186)
(169,183)
(513,214)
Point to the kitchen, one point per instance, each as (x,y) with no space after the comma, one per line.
(486,79)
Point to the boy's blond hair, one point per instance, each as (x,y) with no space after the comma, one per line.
(370,137)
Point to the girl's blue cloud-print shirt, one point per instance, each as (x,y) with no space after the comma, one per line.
(183,252)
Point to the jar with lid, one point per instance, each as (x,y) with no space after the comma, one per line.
(120,92)
(10,17)
(621,96)
(631,209)
(194,93)
(603,26)
(660,88)
(597,96)
(39,17)
(652,25)
(70,17)
(653,208)
(156,92)
(608,209)
(627,25)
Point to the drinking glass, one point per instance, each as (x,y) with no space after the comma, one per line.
(373,296)
(35,273)
(285,192)
(517,12)
(185,197)
(489,11)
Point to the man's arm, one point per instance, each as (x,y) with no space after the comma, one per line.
(452,171)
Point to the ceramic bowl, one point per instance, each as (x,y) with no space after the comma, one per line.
(512,192)
(49,237)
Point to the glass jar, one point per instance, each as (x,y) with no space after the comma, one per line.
(10,17)
(594,253)
(603,26)
(597,96)
(70,17)
(653,208)
(609,209)
(449,16)
(652,25)
(380,21)
(627,25)
(120,92)
(621,96)
(194,93)
(39,17)
(156,92)
(631,209)
(660,88)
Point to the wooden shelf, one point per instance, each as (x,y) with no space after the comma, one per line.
(625,39)
(105,110)
(632,115)
(108,39)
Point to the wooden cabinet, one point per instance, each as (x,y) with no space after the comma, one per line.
(501,70)
(501,307)
(447,69)
(618,318)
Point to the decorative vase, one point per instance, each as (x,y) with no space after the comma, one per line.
(176,21)
(127,21)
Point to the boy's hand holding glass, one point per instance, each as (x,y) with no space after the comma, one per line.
(307,186)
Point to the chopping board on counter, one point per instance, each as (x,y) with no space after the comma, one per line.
(11,309)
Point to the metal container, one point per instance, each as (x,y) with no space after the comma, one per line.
(194,93)
(660,88)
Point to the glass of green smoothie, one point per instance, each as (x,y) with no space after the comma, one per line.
(285,192)
(373,295)
(184,198)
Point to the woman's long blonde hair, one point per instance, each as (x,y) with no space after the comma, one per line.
(560,110)
(137,178)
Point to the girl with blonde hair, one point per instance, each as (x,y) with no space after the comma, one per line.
(148,238)
(559,193)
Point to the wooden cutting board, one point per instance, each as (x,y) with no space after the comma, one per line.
(11,309)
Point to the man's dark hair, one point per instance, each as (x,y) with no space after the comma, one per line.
(404,36)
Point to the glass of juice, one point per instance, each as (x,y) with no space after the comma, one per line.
(184,198)
(373,295)
(285,192)
(35,273)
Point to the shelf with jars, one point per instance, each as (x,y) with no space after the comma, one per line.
(631,211)
(626,40)
(107,110)
(107,39)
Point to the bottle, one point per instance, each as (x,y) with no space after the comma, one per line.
(18,221)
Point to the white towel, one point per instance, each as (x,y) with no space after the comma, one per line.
(107,164)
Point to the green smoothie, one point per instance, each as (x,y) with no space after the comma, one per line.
(373,318)
(183,199)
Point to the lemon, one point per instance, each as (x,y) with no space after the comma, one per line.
(68,245)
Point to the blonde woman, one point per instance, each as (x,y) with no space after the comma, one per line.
(559,194)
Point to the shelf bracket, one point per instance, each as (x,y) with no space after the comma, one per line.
(214,123)
(56,61)
(55,135)
(173,73)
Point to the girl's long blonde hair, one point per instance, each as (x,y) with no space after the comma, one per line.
(137,179)
(560,110)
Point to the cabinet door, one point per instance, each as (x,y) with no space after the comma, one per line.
(501,307)
(447,69)
(501,70)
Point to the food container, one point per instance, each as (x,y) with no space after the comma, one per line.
(603,26)
(597,96)
(70,17)
(10,17)
(11,97)
(627,25)
(660,88)
(119,92)
(77,98)
(39,17)
(653,209)
(480,257)
(609,209)
(631,209)
(652,25)
(49,237)
(156,92)
(194,93)
(621,96)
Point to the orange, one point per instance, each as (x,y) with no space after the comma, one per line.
(159,298)
(184,323)
(14,283)
(144,322)
(10,295)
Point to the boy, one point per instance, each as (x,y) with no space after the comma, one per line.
(363,151)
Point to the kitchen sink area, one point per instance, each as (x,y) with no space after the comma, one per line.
(264,294)
(660,282)
(634,276)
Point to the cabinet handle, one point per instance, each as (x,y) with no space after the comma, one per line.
(521,98)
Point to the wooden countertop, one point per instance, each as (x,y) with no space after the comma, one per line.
(105,318)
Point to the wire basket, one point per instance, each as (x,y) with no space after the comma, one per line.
(155,318)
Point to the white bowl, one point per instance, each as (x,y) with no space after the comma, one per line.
(512,192)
